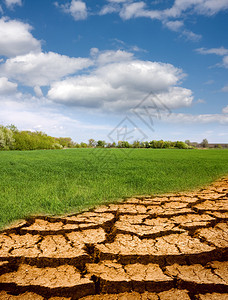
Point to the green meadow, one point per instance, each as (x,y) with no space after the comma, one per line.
(66,181)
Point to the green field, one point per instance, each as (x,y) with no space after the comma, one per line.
(64,181)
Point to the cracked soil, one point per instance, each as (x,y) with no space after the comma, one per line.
(150,247)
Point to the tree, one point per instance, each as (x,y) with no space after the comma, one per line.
(188,142)
(92,143)
(6,138)
(101,144)
(12,127)
(181,145)
(83,145)
(2,139)
(204,143)
(136,144)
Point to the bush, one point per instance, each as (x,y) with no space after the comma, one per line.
(181,145)
(6,138)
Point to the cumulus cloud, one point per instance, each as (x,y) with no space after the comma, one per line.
(16,39)
(113,56)
(41,68)
(119,82)
(7,87)
(76,8)
(12,3)
(225,109)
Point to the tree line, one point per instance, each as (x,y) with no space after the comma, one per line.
(13,139)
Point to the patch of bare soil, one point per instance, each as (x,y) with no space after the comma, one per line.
(154,247)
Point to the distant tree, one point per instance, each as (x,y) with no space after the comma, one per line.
(65,142)
(160,144)
(120,144)
(153,144)
(12,127)
(92,143)
(2,139)
(76,145)
(101,144)
(195,144)
(136,144)
(83,145)
(147,145)
(188,142)
(167,145)
(204,143)
(125,144)
(181,145)
(6,138)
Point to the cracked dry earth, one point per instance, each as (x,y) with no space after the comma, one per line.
(152,247)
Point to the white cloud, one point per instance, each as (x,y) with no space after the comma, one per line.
(138,9)
(218,51)
(118,1)
(209,82)
(42,68)
(119,82)
(174,25)
(210,7)
(113,56)
(109,9)
(11,3)
(225,61)
(7,87)
(29,113)
(196,119)
(94,51)
(170,17)
(225,109)
(38,91)
(77,9)
(16,39)
(191,35)
(201,7)
(201,101)
(225,88)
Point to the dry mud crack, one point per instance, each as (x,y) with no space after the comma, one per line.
(152,247)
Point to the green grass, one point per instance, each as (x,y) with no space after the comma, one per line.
(64,181)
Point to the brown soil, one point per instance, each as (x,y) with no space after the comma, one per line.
(158,248)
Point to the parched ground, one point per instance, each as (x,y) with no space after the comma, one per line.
(158,248)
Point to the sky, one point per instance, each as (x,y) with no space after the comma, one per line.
(116,69)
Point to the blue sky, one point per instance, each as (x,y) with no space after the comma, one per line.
(115,69)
